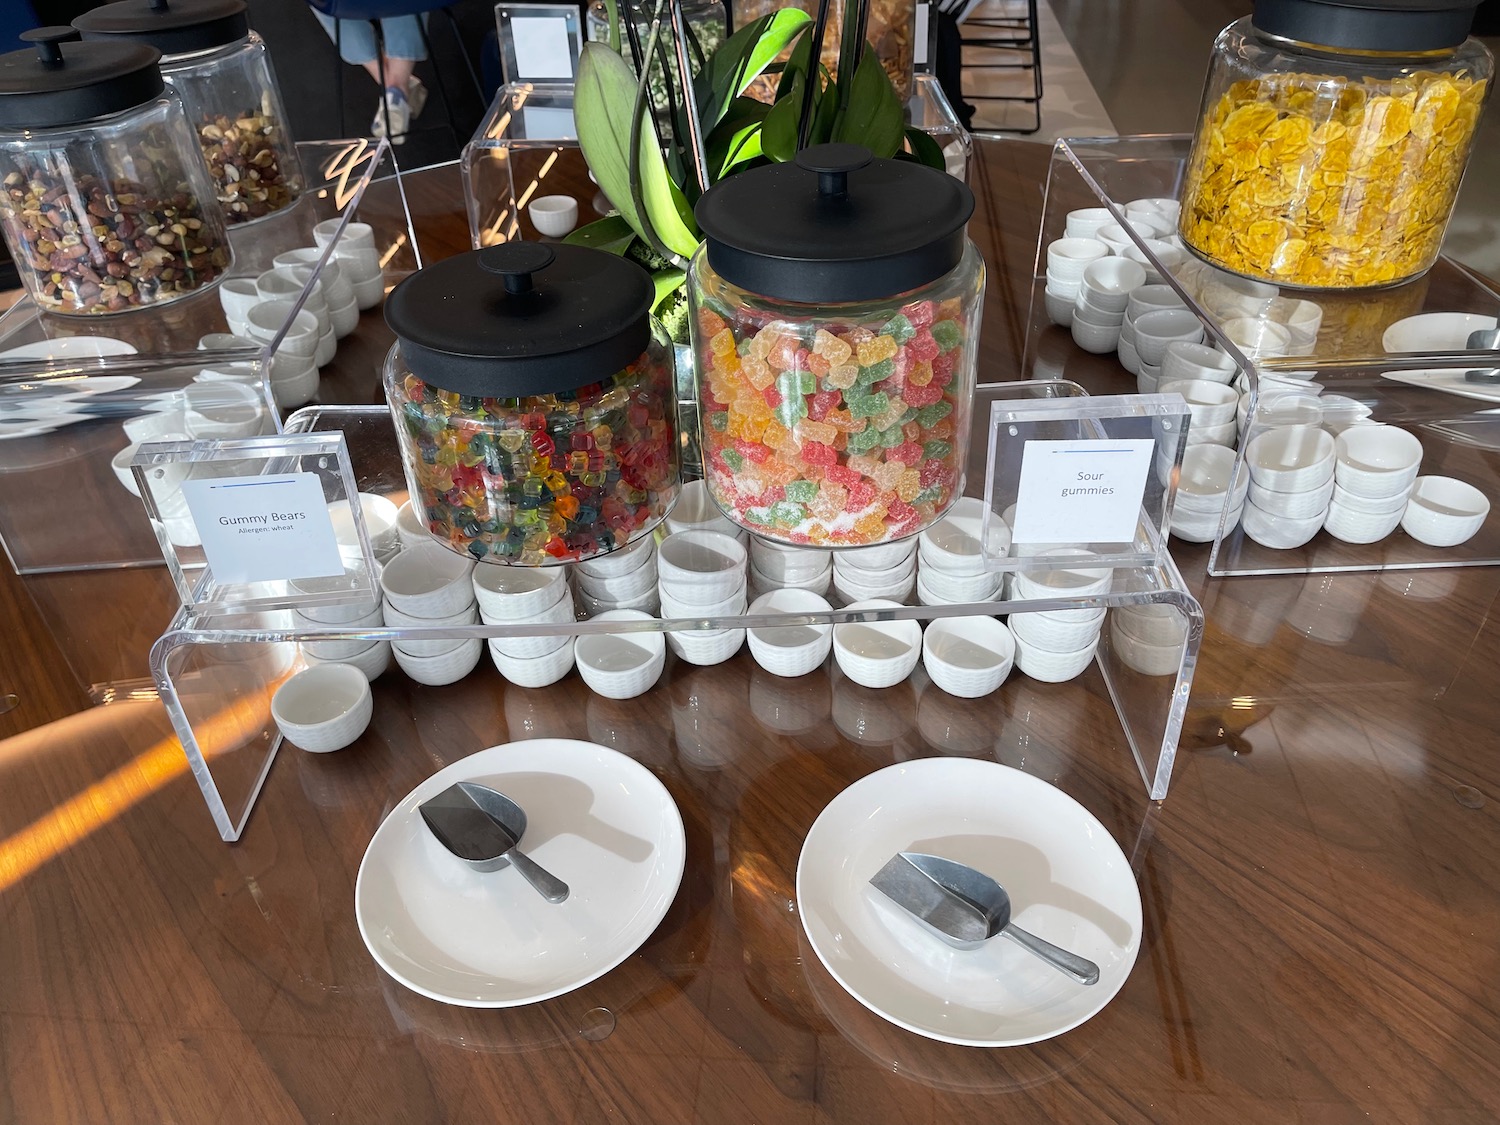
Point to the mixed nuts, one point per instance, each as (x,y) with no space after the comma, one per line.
(244,155)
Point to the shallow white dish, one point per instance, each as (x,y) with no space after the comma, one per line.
(1069,883)
(72,347)
(1436,332)
(1451,381)
(599,820)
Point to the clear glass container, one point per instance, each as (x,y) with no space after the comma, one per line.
(707,25)
(537,425)
(1330,167)
(113,213)
(232,101)
(836,425)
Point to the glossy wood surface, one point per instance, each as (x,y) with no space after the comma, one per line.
(1320,887)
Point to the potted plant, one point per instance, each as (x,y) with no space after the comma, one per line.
(654,174)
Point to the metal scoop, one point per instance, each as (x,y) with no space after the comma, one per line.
(966,908)
(1486,339)
(483,828)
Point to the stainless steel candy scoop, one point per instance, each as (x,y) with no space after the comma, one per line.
(1485,339)
(483,828)
(966,908)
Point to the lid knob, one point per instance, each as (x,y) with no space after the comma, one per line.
(159,6)
(833,163)
(516,262)
(47,40)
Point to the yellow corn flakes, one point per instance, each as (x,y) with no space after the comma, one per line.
(1295,183)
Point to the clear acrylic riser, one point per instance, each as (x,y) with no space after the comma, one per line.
(1460,435)
(216,674)
(527,146)
(63,420)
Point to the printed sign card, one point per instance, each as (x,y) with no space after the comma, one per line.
(259,529)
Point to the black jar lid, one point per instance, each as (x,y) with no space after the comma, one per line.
(173,27)
(522,318)
(1400,26)
(838,225)
(48,85)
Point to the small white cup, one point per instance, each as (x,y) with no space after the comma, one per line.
(1291,458)
(237,296)
(1052,633)
(1281,533)
(968,656)
(1375,461)
(513,593)
(695,509)
(1053,667)
(410,526)
(1293,505)
(1076,581)
(1150,297)
(1257,338)
(1186,360)
(428,581)
(1155,330)
(1350,526)
(1444,512)
(1110,281)
(701,567)
(784,564)
(621,560)
(265,320)
(553,215)
(1086,221)
(323,708)
(956,544)
(790,650)
(537,672)
(1067,257)
(1211,404)
(877,654)
(621,665)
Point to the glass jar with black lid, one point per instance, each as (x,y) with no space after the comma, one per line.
(1333,138)
(104,197)
(534,406)
(222,71)
(835,322)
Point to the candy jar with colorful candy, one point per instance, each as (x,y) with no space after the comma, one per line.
(535,410)
(1333,139)
(835,325)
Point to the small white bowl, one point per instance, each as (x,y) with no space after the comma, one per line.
(1258,338)
(534,673)
(1053,667)
(428,581)
(1291,458)
(648,603)
(162,425)
(1093,338)
(674,607)
(1212,435)
(695,509)
(559,612)
(899,589)
(1059,306)
(623,587)
(266,319)
(1434,332)
(1203,481)
(621,665)
(297,389)
(223,410)
(1148,298)
(880,557)
(952,589)
(1049,634)
(878,654)
(1444,512)
(379,519)
(372,662)
(817,584)
(968,656)
(1086,221)
(1340,412)
(1061,583)
(1212,404)
(928,596)
(1369,505)
(701,567)
(120,463)
(411,528)
(342,650)
(324,707)
(706,648)
(1293,505)
(1377,461)
(1186,360)
(859,575)
(1201,527)
(1140,656)
(1351,526)
(783,564)
(1068,257)
(1154,331)
(1280,533)
(955,544)
(398,620)
(553,215)
(341,613)
(1155,623)
(621,560)
(445,668)
(368,291)
(790,650)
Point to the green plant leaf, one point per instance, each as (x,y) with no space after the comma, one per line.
(796,64)
(778,133)
(924,150)
(668,209)
(871,113)
(667,282)
(741,58)
(602,101)
(611,234)
(736,139)
(613,8)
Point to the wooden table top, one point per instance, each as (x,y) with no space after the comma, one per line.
(1320,887)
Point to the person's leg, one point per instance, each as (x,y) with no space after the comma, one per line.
(355,39)
(403,49)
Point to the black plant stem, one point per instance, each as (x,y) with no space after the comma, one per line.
(642,63)
(813,75)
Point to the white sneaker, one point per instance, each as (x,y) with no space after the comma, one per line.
(416,97)
(400,114)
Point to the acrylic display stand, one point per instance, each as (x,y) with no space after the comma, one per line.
(1349,359)
(216,673)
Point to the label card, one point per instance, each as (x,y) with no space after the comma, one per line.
(1086,491)
(260,529)
(542,48)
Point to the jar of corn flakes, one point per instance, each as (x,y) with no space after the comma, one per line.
(1333,140)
